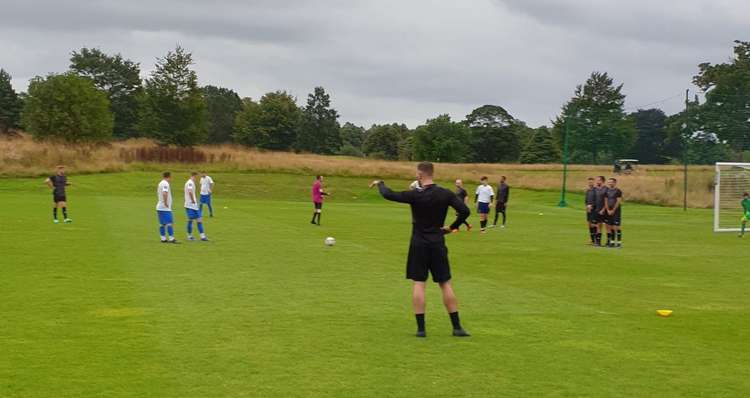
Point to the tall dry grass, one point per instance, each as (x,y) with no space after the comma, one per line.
(21,156)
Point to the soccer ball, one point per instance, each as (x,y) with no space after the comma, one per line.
(330,241)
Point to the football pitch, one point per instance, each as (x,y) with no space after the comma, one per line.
(99,307)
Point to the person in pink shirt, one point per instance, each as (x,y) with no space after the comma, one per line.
(317,198)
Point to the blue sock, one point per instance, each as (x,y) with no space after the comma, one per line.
(190,227)
(161,230)
(170,230)
(200,227)
(210,209)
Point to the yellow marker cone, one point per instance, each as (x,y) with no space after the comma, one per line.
(664,313)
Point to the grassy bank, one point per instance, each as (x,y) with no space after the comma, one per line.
(23,157)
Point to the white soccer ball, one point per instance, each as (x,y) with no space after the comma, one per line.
(330,241)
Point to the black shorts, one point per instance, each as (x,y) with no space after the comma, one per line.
(500,207)
(599,218)
(58,198)
(318,205)
(591,217)
(614,219)
(424,258)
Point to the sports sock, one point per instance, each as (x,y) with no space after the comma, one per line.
(483,224)
(319,218)
(504,217)
(65,212)
(420,322)
(598,238)
(170,231)
(496,214)
(161,232)
(200,227)
(742,228)
(54,213)
(190,227)
(619,236)
(592,234)
(454,320)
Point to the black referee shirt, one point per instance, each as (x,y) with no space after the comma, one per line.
(428,210)
(591,197)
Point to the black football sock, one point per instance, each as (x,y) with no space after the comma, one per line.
(592,234)
(319,218)
(65,212)
(504,217)
(54,213)
(483,224)
(314,216)
(496,214)
(420,322)
(598,238)
(454,320)
(619,236)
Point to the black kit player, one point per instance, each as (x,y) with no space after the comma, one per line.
(591,216)
(600,208)
(614,214)
(464,196)
(501,203)
(57,183)
(427,250)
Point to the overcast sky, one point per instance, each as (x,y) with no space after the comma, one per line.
(394,60)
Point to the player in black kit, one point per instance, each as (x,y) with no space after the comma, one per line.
(57,183)
(600,208)
(464,196)
(591,216)
(613,205)
(503,194)
(427,250)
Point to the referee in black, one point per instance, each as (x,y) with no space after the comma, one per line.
(427,250)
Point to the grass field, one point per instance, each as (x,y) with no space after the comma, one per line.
(100,308)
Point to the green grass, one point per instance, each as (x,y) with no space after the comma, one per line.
(100,308)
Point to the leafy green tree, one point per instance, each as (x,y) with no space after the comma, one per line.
(442,140)
(67,107)
(10,104)
(688,141)
(406,146)
(222,106)
(540,148)
(272,123)
(650,126)
(382,141)
(173,110)
(320,130)
(726,111)
(494,135)
(598,129)
(119,78)
(352,137)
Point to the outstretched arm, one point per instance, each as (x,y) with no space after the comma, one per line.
(48,182)
(388,194)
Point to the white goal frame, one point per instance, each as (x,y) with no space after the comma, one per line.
(717,195)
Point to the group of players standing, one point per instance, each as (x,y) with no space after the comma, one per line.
(193,205)
(604,211)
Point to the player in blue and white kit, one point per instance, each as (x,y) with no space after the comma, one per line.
(164,209)
(207,188)
(192,209)
(483,199)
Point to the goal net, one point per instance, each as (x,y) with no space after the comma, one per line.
(732,179)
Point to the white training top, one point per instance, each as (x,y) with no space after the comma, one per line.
(163,187)
(485,193)
(191,201)
(206,185)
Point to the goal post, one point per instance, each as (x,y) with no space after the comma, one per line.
(731,180)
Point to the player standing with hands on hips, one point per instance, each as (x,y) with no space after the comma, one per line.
(427,250)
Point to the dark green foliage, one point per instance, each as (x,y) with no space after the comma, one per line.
(222,106)
(173,110)
(271,124)
(494,135)
(442,140)
(67,107)
(382,141)
(10,104)
(686,140)
(598,129)
(352,138)
(540,148)
(726,111)
(319,130)
(119,78)
(650,126)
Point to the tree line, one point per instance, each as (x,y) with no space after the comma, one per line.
(102,97)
